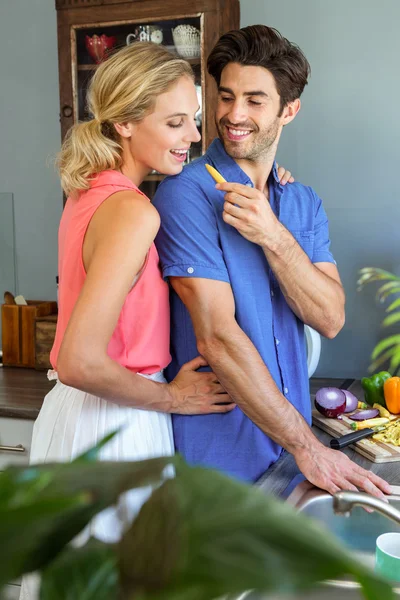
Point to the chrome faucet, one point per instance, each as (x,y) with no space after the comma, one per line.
(343,502)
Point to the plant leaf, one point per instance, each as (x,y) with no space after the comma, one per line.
(395,304)
(72,494)
(87,573)
(382,359)
(370,274)
(395,362)
(93,453)
(393,287)
(391,319)
(202,535)
(383,344)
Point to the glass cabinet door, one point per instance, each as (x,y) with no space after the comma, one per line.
(92,43)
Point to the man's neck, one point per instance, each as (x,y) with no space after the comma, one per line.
(258,171)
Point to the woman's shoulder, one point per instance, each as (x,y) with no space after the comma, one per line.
(128,208)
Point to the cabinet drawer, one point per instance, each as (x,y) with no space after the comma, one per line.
(11,592)
(13,434)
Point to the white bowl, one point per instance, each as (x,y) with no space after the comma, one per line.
(187,41)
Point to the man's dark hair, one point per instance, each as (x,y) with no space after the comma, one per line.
(262,46)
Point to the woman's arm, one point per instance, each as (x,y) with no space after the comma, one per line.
(116,243)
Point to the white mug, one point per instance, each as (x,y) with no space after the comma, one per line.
(131,37)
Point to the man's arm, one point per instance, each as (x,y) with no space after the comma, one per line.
(240,369)
(313,291)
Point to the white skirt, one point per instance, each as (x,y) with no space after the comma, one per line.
(72,421)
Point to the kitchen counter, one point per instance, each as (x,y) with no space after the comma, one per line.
(282,477)
(22,392)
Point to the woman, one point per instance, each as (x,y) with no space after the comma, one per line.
(112,339)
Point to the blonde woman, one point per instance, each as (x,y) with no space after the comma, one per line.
(112,339)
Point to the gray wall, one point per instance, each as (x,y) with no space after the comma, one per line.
(345,143)
(29,138)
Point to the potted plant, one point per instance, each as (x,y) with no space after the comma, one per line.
(387,350)
(199,536)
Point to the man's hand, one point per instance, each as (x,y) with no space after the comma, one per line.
(334,471)
(248,210)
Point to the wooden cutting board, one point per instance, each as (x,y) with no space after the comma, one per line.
(377,452)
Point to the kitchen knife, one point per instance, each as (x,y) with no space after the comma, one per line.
(350,438)
(356,436)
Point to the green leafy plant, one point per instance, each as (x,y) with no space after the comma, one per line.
(388,349)
(200,535)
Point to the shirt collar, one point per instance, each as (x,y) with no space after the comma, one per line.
(229,168)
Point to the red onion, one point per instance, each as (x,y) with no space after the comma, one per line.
(363,415)
(351,401)
(330,402)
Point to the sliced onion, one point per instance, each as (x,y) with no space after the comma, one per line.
(363,415)
(351,401)
(330,402)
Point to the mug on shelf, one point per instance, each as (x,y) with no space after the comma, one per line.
(99,46)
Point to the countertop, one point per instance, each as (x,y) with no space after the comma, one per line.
(282,477)
(22,392)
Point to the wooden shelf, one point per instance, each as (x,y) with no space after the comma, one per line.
(87,67)
(191,61)
(154,177)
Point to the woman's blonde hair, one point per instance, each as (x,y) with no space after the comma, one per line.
(123,89)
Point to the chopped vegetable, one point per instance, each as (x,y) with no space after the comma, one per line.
(391,389)
(363,415)
(215,174)
(390,435)
(358,425)
(383,411)
(330,402)
(373,388)
(351,401)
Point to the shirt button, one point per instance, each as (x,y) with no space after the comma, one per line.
(286,390)
(190,270)
(249,184)
(272,293)
(277,342)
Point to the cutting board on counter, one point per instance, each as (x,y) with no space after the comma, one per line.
(377,452)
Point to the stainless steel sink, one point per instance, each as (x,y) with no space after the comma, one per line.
(358,532)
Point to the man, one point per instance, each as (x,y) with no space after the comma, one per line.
(249,264)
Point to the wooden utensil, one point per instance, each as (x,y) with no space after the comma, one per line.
(8,298)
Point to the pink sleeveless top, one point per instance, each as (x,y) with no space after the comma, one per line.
(140,341)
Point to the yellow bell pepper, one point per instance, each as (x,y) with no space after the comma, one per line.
(391,389)
(215,174)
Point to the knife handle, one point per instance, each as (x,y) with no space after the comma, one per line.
(350,438)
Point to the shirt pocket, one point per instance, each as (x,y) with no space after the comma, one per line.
(305,239)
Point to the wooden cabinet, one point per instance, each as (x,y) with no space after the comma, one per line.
(123,21)
(11,592)
(15,441)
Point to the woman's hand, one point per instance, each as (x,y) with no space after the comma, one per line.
(196,393)
(284,175)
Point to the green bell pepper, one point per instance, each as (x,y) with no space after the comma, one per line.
(373,388)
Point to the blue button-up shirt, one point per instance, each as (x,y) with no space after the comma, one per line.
(194,241)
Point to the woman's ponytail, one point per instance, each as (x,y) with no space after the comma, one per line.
(86,151)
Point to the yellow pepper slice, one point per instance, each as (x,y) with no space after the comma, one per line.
(377,422)
(383,412)
(214,174)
